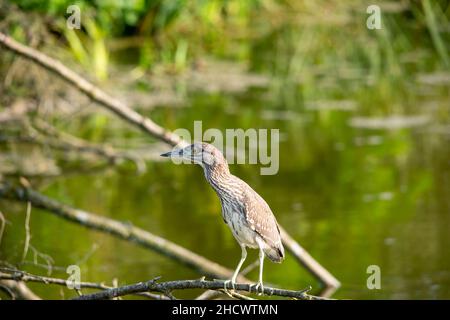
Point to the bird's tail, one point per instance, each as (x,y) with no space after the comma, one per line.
(275,253)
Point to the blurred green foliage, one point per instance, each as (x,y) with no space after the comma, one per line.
(178,32)
(199,24)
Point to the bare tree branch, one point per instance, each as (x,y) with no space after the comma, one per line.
(143,288)
(8,274)
(169,286)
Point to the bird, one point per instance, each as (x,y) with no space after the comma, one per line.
(246,213)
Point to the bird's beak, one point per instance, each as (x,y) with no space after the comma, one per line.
(175,153)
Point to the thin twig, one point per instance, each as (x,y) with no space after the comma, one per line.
(47,258)
(233,294)
(2,228)
(27,231)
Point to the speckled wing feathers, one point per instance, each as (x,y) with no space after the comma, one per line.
(261,219)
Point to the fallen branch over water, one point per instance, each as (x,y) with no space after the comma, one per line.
(167,287)
(144,288)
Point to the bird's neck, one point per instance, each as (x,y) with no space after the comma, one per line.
(218,176)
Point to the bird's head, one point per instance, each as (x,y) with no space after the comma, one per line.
(200,153)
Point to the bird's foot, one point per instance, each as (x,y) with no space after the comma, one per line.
(225,285)
(259,288)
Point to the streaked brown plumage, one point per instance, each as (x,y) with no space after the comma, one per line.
(243,210)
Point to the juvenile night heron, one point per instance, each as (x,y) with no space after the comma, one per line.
(247,214)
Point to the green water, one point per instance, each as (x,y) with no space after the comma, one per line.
(352,197)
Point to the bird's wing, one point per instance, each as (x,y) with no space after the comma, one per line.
(261,219)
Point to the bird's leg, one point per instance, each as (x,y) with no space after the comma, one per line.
(260,284)
(236,272)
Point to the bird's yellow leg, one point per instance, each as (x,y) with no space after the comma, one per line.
(260,285)
(236,272)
